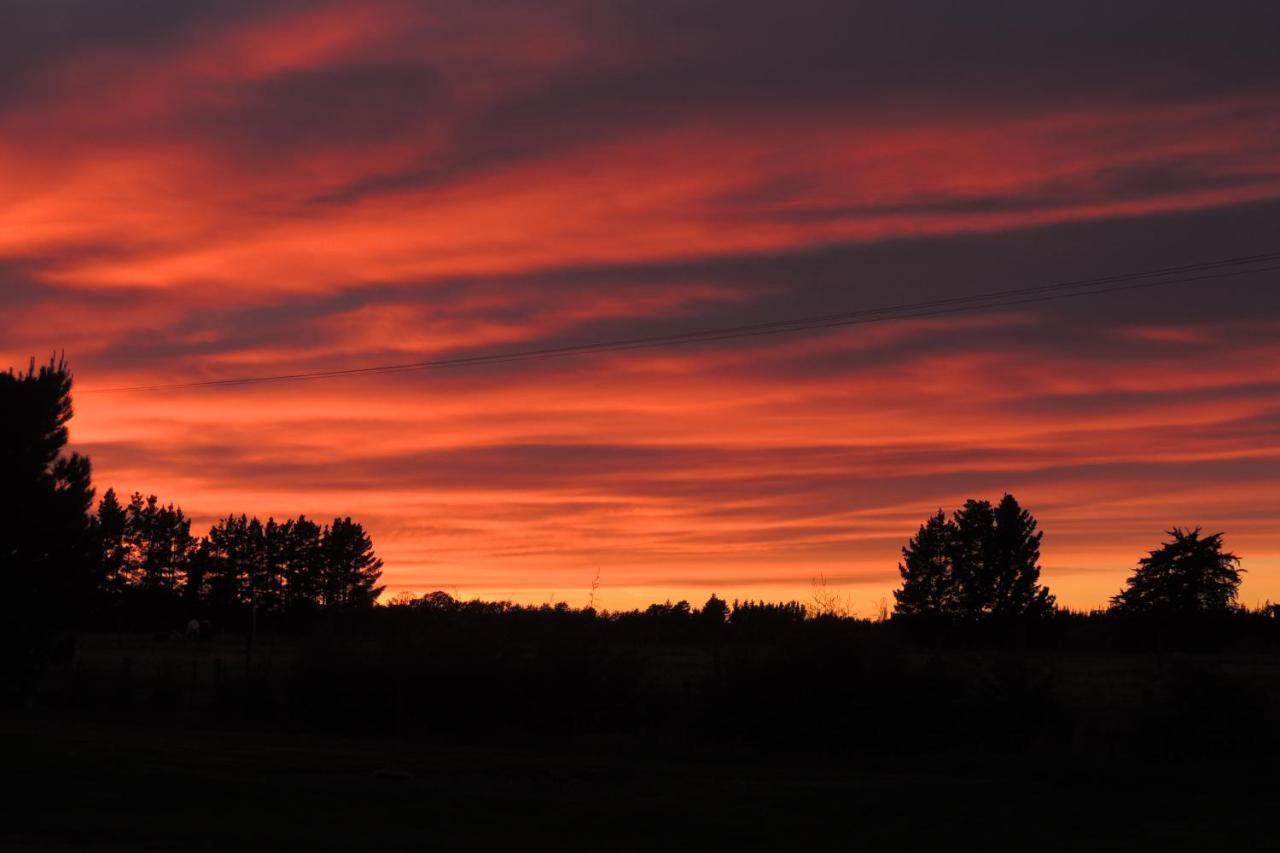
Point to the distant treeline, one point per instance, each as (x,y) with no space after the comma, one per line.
(718,621)
(148,559)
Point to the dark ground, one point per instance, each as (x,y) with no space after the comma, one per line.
(83,787)
(146,745)
(80,786)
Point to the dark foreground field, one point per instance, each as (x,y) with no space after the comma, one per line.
(566,739)
(79,786)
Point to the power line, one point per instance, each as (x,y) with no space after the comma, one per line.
(1162,277)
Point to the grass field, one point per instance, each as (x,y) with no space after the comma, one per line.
(82,786)
(142,745)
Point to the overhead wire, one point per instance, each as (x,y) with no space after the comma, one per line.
(1145,279)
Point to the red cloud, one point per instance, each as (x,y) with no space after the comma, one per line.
(346,185)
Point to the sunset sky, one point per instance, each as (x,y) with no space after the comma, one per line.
(194,191)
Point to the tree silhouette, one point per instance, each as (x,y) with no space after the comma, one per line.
(234,550)
(274,565)
(1189,575)
(929,585)
(304,565)
(438,601)
(982,563)
(715,613)
(202,561)
(45,498)
(1013,564)
(159,546)
(292,566)
(350,568)
(140,559)
(975,525)
(113,551)
(765,617)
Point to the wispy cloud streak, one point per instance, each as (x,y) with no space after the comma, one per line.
(194,192)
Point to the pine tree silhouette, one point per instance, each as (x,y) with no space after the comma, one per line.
(929,585)
(1013,563)
(110,525)
(350,568)
(46,534)
(982,563)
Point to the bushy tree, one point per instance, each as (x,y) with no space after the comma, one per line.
(715,613)
(438,601)
(983,562)
(1191,574)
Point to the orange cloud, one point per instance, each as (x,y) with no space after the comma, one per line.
(341,185)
